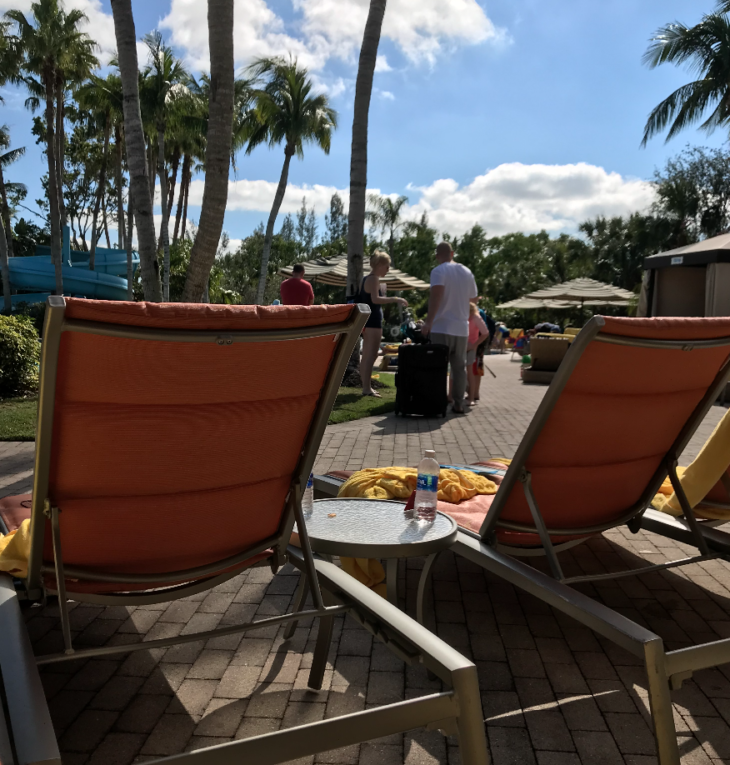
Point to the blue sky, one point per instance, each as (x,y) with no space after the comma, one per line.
(515,114)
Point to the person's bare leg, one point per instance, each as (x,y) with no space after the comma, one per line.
(370,347)
(471,383)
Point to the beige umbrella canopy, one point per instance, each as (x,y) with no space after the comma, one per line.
(530,304)
(584,292)
(333,271)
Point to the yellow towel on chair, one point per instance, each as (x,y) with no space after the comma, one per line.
(15,549)
(699,478)
(368,571)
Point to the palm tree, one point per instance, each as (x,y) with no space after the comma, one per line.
(218,149)
(359,150)
(10,57)
(126,37)
(100,98)
(286,111)
(385,214)
(165,81)
(705,48)
(52,48)
(7,158)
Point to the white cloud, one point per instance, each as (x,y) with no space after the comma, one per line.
(385,94)
(259,196)
(528,198)
(420,28)
(510,197)
(382,65)
(99,26)
(327,29)
(257,32)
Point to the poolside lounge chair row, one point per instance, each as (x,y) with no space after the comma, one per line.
(171,455)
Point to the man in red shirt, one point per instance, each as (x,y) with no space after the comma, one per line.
(297,290)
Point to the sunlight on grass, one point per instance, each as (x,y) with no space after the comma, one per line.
(18,418)
(351,405)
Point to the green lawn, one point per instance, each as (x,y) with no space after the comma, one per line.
(18,415)
(17,419)
(352,405)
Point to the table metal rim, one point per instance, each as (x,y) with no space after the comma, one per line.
(379,550)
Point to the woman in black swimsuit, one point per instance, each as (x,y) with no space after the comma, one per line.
(370,294)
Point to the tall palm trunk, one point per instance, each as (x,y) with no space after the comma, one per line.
(95,230)
(278,199)
(6,214)
(181,195)
(56,241)
(359,151)
(164,233)
(5,271)
(218,149)
(105,221)
(118,184)
(61,138)
(173,178)
(134,136)
(185,206)
(151,168)
(130,266)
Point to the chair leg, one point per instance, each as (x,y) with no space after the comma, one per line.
(322,648)
(301,596)
(470,722)
(422,584)
(661,704)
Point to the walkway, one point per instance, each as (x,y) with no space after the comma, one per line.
(553,693)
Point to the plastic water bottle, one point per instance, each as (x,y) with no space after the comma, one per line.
(308,497)
(427,487)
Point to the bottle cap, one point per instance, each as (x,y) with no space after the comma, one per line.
(430,453)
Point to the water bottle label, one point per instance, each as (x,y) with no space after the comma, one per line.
(427,483)
(310,481)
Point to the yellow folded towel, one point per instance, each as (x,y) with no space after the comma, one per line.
(15,549)
(399,483)
(699,478)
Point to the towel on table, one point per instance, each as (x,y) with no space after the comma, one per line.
(701,476)
(15,549)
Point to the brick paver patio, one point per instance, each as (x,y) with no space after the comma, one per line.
(553,693)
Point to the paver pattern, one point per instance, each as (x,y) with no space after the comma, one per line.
(553,692)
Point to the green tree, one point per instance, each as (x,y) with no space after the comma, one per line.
(705,49)
(385,214)
(359,148)
(336,222)
(693,191)
(7,158)
(619,246)
(54,49)
(241,269)
(286,112)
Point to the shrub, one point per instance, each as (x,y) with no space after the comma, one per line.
(19,356)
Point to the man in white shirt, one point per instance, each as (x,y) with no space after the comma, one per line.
(452,289)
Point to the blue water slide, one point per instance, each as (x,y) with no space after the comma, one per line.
(36,274)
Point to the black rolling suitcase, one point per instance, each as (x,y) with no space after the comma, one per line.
(421,379)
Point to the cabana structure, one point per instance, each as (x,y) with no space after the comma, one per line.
(693,280)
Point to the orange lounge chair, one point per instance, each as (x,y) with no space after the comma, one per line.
(171,454)
(621,409)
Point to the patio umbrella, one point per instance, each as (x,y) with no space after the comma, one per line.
(333,271)
(584,292)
